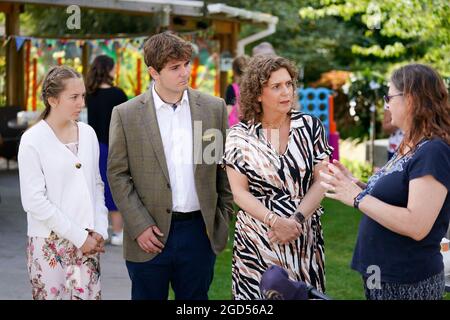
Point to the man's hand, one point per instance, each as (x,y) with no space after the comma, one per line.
(148,241)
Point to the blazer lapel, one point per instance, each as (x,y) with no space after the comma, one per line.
(150,123)
(198,119)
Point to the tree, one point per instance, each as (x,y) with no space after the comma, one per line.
(316,46)
(36,21)
(395,31)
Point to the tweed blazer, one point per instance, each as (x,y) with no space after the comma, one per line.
(139,178)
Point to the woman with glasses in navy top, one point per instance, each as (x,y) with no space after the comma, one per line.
(406,204)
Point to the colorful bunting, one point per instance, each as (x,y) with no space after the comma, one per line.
(131,74)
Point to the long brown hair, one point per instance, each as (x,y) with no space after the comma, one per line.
(53,85)
(99,73)
(427,102)
(255,77)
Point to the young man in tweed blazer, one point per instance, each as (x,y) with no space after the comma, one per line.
(176,204)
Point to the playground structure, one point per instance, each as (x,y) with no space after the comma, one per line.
(319,102)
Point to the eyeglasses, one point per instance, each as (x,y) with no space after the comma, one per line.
(388,98)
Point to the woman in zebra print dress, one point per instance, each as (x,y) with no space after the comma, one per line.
(273,157)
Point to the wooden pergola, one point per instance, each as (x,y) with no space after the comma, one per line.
(225,20)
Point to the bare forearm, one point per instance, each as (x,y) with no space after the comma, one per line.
(246,201)
(312,199)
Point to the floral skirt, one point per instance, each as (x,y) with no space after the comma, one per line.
(59,271)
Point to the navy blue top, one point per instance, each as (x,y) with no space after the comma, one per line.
(402,259)
(99,106)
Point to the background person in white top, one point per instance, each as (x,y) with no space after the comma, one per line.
(62,193)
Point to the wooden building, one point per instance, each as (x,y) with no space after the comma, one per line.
(176,15)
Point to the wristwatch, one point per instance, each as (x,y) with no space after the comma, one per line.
(358,199)
(299,217)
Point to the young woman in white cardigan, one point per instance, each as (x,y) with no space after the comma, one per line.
(62,193)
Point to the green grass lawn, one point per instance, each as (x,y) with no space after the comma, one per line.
(340,226)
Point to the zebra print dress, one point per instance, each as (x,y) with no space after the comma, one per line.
(279,182)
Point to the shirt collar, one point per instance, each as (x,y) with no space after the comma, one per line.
(159,103)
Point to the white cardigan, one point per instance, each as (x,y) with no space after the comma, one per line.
(57,195)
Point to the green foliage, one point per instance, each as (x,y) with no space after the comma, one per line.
(395,31)
(353,117)
(36,21)
(360,170)
(316,46)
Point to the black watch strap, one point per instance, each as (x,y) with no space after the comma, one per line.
(300,217)
(358,199)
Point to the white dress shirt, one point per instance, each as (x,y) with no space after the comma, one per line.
(175,127)
(61,191)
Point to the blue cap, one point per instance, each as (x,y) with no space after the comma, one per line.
(276,285)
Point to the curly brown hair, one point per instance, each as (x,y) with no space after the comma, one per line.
(428,103)
(164,47)
(99,73)
(255,77)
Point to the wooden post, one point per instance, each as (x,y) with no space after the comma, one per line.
(227,33)
(15,86)
(27,72)
(224,40)
(34,85)
(85,59)
(118,55)
(234,38)
(138,77)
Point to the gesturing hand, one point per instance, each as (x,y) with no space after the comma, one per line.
(344,170)
(148,241)
(339,184)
